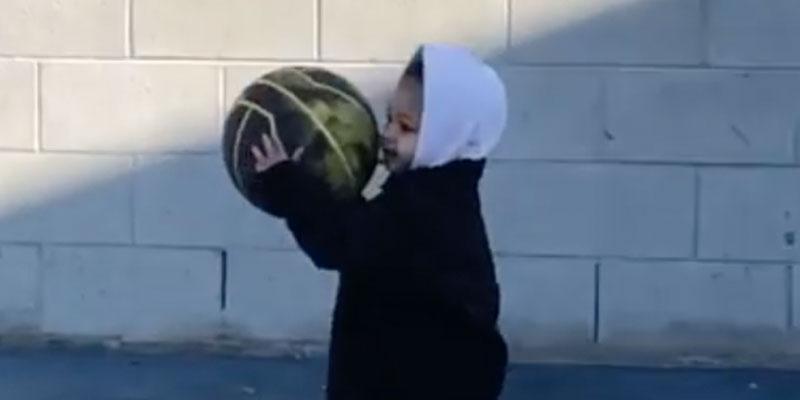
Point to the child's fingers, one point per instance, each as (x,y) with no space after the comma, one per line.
(277,142)
(298,153)
(259,156)
(267,145)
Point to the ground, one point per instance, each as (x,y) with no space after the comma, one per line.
(97,374)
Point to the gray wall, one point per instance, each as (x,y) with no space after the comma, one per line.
(645,196)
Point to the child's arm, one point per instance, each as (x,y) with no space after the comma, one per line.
(336,234)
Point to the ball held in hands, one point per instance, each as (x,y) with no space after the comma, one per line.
(307,115)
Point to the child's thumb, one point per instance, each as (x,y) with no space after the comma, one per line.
(298,153)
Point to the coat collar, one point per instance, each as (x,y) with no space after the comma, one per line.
(456,175)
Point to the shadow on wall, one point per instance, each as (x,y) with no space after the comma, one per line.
(154,246)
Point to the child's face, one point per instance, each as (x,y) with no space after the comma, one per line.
(399,139)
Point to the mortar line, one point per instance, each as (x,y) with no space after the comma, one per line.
(317,30)
(227,61)
(496,254)
(509,29)
(128,28)
(796,141)
(603,106)
(21,243)
(705,32)
(697,203)
(492,161)
(221,87)
(37,107)
(644,259)
(223,290)
(496,161)
(596,324)
(132,153)
(232,61)
(790,297)
(641,163)
(40,279)
(127,245)
(656,67)
(132,196)
(17,150)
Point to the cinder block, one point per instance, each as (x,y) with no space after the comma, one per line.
(553,114)
(19,287)
(571,209)
(688,303)
(750,214)
(136,293)
(392,30)
(607,31)
(376,82)
(130,107)
(703,116)
(65,198)
(190,200)
(16,105)
(58,28)
(279,296)
(546,301)
(753,32)
(224,28)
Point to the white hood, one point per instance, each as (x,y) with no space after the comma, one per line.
(464,110)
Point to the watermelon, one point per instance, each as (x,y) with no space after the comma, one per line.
(307,107)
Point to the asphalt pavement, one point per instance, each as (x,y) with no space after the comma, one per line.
(97,374)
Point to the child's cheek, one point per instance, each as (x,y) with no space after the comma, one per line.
(414,140)
(409,145)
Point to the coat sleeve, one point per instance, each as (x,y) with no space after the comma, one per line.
(336,234)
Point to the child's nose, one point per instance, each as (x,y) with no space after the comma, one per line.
(384,139)
(387,135)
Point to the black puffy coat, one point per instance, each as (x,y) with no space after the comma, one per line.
(417,304)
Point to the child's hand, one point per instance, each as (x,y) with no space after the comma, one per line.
(274,153)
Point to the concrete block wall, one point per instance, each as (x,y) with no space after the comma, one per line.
(646,194)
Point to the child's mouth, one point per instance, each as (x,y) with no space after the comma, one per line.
(389,153)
